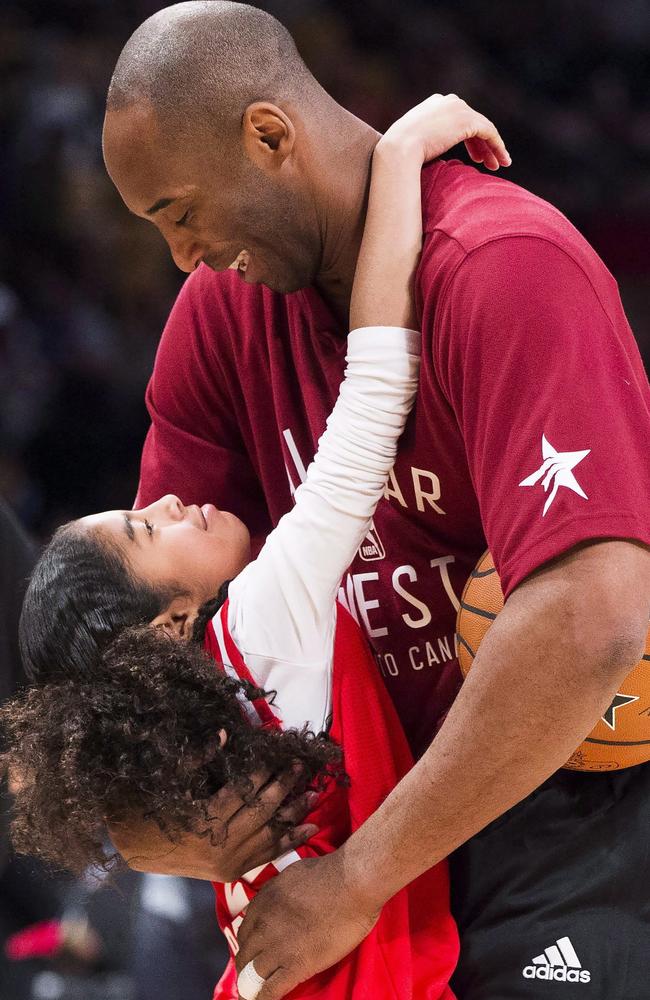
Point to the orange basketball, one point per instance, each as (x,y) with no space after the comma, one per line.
(621,738)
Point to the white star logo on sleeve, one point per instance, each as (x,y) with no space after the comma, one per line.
(557,468)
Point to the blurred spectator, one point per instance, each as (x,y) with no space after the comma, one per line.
(179,952)
(18,558)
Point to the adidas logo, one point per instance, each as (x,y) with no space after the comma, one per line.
(558,963)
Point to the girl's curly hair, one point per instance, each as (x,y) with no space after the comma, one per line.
(138,736)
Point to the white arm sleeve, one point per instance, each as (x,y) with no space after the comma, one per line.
(282,606)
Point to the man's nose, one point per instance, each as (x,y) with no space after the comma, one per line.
(186,254)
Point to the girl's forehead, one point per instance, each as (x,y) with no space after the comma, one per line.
(114,522)
(103,517)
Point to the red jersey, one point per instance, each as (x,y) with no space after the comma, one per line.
(412,951)
(530,432)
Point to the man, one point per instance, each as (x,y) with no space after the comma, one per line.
(216,132)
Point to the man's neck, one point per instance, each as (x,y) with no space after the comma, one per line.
(342,197)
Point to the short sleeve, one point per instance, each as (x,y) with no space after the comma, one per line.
(193,447)
(543,374)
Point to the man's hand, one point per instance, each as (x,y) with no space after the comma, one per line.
(243,836)
(303,921)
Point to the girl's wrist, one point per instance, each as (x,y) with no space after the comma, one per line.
(399,150)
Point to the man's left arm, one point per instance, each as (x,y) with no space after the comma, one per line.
(528,351)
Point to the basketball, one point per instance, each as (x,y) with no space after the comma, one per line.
(621,737)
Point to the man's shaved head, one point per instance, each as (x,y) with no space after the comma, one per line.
(200,64)
(217,132)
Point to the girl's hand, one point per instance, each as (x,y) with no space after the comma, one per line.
(244,834)
(382,294)
(440,122)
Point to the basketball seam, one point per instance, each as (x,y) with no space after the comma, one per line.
(464,643)
(617,743)
(478,611)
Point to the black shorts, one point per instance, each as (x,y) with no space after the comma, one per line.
(553,898)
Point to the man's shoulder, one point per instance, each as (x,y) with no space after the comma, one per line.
(472,207)
(466,211)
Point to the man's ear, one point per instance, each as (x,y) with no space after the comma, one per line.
(268,135)
(177,619)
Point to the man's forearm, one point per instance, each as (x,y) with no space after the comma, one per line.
(540,680)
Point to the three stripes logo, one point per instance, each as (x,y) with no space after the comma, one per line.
(558,963)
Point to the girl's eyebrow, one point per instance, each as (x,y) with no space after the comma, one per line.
(128,527)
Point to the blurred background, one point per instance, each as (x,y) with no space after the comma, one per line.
(85,289)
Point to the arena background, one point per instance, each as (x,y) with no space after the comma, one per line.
(85,289)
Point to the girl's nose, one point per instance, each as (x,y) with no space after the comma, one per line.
(173,507)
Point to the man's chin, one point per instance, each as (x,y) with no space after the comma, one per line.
(288,283)
(286,287)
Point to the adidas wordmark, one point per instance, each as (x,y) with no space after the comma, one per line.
(558,963)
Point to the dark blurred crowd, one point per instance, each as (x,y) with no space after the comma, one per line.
(85,289)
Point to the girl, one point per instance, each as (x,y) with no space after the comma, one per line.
(131,727)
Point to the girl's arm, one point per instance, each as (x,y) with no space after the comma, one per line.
(393,230)
(282,606)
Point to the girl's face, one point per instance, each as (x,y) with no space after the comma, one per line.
(167,545)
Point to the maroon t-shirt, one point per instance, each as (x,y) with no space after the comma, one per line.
(530,432)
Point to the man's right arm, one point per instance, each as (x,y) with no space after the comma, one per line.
(194,448)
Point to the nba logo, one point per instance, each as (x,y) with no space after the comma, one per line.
(371,547)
